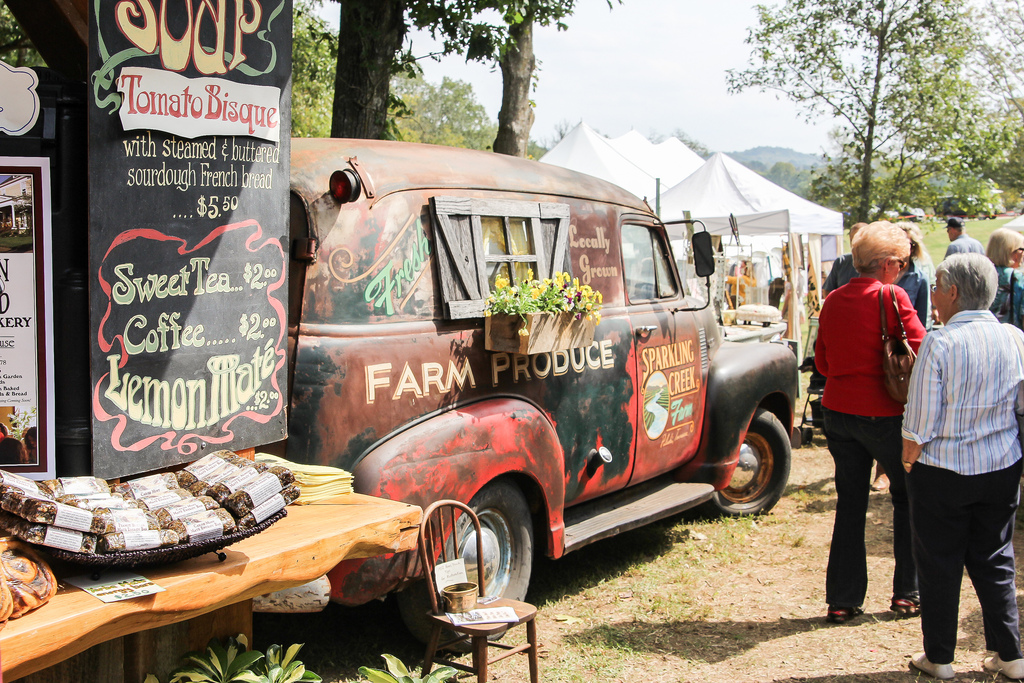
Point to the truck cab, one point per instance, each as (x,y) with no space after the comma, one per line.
(395,249)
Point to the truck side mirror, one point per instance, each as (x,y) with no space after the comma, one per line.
(703,254)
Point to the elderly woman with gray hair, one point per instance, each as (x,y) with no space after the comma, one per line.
(963,464)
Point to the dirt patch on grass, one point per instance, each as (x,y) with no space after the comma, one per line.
(684,600)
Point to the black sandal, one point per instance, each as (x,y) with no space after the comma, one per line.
(905,607)
(841,615)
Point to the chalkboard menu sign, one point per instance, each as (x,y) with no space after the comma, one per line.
(189,125)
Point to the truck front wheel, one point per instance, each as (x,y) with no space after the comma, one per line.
(508,552)
(761,474)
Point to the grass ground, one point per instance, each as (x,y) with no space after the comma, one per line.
(684,600)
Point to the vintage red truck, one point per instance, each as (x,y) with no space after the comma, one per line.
(396,247)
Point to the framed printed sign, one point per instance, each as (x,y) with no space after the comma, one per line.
(189,124)
(26,318)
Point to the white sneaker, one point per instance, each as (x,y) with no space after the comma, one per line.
(943,672)
(1014,669)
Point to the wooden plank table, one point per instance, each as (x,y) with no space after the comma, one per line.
(305,545)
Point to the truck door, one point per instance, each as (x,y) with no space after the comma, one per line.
(670,353)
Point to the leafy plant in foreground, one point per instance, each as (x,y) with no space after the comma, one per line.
(399,673)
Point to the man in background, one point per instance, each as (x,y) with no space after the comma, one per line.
(842,268)
(959,241)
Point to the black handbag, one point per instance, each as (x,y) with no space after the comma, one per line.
(897,356)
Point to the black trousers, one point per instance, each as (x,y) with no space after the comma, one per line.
(963,521)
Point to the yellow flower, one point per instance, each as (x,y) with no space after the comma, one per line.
(529,274)
(600,298)
(587,291)
(597,318)
(487,314)
(524,332)
(547,282)
(576,282)
(501,282)
(535,293)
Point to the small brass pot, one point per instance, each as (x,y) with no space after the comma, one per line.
(459,597)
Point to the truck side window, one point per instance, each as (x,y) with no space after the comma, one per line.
(477,240)
(645,264)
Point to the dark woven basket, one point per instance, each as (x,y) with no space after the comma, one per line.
(168,555)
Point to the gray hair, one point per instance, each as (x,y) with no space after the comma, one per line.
(975,279)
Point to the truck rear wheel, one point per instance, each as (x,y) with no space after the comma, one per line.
(761,474)
(508,553)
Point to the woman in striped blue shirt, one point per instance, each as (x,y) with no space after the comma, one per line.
(963,464)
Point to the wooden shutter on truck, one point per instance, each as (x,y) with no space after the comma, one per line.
(459,247)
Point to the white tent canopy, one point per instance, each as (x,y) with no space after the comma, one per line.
(724,187)
(671,160)
(630,161)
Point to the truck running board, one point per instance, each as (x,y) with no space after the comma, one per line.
(629,509)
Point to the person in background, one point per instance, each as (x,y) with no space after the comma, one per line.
(842,268)
(862,422)
(959,241)
(916,285)
(963,464)
(29,437)
(920,263)
(12,452)
(1005,250)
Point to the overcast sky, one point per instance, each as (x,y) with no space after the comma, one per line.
(656,66)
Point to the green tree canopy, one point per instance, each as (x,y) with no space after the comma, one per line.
(892,75)
(445,114)
(15,47)
(314,54)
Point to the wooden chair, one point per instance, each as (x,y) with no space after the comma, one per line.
(442,534)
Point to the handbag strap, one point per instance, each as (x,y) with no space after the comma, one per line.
(882,316)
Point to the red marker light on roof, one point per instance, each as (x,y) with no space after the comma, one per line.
(345,185)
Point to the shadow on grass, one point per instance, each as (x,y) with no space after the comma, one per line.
(709,642)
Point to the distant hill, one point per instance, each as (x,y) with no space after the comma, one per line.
(768,156)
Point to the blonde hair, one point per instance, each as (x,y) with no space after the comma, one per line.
(876,243)
(1001,245)
(916,238)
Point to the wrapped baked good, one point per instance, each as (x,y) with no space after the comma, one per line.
(13,500)
(137,540)
(184,508)
(256,492)
(163,499)
(16,482)
(278,501)
(142,487)
(112,501)
(202,469)
(28,578)
(204,525)
(56,537)
(105,521)
(246,475)
(53,513)
(76,486)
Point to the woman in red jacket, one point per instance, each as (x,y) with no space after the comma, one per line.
(862,422)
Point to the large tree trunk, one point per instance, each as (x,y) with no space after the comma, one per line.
(370,36)
(516,116)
